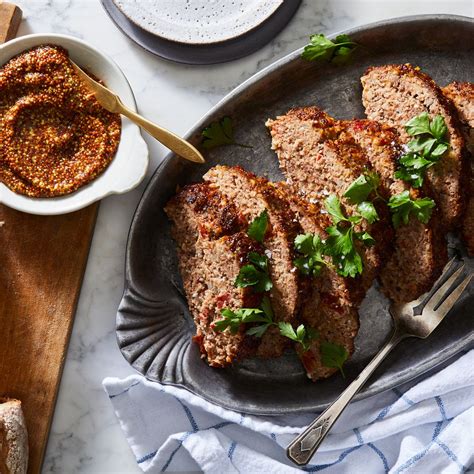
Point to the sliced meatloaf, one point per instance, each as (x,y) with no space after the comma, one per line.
(197,211)
(319,158)
(394,94)
(209,263)
(331,308)
(252,195)
(462,96)
(419,250)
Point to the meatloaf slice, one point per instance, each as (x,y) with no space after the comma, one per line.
(199,210)
(209,268)
(394,94)
(331,308)
(219,264)
(252,195)
(319,158)
(462,96)
(419,251)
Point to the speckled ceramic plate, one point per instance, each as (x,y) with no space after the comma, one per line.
(154,327)
(198,21)
(178,37)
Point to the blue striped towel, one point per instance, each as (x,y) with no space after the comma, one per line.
(424,428)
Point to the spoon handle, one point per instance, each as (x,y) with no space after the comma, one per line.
(167,138)
(305,445)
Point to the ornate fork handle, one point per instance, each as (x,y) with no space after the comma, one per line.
(305,445)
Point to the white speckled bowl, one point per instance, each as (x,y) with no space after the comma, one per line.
(129,165)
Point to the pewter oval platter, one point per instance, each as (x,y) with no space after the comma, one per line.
(154,327)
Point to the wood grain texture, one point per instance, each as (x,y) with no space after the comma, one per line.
(10,18)
(42,263)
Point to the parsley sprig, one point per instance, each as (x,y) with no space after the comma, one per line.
(333,355)
(425,150)
(360,190)
(264,317)
(311,248)
(233,319)
(220,133)
(255,274)
(258,227)
(303,335)
(402,206)
(340,244)
(321,48)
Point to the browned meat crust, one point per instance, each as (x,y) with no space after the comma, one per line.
(462,96)
(252,195)
(209,262)
(419,253)
(393,94)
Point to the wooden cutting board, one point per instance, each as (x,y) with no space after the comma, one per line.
(42,263)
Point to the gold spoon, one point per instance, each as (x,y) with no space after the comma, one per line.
(112,103)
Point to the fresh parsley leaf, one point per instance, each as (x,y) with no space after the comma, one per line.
(366,238)
(360,189)
(333,355)
(439,150)
(321,48)
(340,240)
(260,261)
(367,211)
(438,127)
(258,227)
(412,176)
(267,307)
(418,125)
(255,274)
(333,206)
(220,133)
(424,150)
(402,206)
(349,265)
(311,247)
(302,335)
(259,330)
(340,246)
(233,319)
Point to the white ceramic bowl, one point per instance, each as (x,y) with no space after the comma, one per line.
(130,163)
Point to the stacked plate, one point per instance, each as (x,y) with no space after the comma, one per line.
(201,31)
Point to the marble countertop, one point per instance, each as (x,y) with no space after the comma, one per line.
(85,435)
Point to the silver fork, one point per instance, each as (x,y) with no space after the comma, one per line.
(407,324)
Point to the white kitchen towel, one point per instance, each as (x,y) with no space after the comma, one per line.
(424,428)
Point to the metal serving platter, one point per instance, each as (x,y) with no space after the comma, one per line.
(154,327)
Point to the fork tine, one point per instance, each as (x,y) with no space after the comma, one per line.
(450,301)
(447,268)
(442,291)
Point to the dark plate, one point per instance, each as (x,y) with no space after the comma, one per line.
(212,53)
(154,327)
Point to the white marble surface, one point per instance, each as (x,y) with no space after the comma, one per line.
(85,435)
